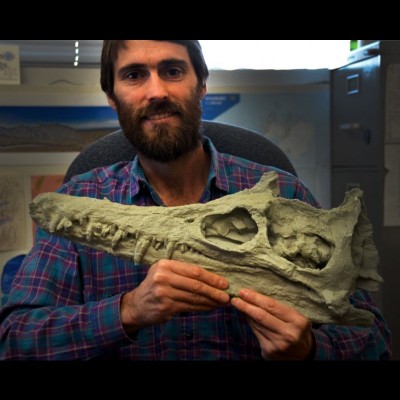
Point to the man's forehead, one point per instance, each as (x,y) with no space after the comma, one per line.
(151,51)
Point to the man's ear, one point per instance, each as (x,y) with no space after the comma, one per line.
(111,102)
(203,91)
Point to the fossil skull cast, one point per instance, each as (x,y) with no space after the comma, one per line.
(309,258)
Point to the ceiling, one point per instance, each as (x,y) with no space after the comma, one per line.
(57,53)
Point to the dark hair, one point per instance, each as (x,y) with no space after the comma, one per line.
(111,49)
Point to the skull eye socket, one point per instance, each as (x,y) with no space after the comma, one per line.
(307,250)
(235,227)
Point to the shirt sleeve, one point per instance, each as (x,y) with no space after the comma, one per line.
(337,342)
(46,316)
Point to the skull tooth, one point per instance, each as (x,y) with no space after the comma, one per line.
(53,223)
(97,229)
(140,250)
(113,229)
(89,233)
(170,249)
(60,224)
(105,231)
(83,219)
(64,223)
(116,238)
(183,248)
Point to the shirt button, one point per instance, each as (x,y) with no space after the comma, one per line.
(188,334)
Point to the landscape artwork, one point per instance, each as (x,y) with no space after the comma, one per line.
(53,128)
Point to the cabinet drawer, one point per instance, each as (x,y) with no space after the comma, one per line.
(371,182)
(356,118)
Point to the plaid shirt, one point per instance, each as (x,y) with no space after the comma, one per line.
(65,299)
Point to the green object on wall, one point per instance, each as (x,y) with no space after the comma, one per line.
(353,44)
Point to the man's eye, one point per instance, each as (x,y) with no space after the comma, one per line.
(174,72)
(134,75)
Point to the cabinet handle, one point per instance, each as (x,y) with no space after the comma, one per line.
(371,52)
(352,126)
(356,126)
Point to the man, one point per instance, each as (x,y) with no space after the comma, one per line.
(69,301)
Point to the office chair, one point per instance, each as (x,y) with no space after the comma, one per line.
(230,139)
(7,276)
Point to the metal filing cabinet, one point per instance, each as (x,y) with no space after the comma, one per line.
(365,119)
(358,93)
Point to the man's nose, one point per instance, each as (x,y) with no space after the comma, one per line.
(156,88)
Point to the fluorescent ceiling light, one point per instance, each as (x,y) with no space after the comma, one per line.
(275,54)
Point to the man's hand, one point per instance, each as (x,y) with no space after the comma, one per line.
(283,333)
(171,287)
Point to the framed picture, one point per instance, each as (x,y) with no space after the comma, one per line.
(53,128)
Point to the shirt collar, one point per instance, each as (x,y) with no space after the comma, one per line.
(217,171)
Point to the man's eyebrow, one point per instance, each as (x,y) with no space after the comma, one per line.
(175,62)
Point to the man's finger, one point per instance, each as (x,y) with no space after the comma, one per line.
(200,274)
(276,308)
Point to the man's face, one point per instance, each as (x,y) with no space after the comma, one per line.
(158,99)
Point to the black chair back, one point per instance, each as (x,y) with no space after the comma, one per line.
(230,139)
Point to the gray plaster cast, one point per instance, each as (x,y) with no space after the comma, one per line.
(309,258)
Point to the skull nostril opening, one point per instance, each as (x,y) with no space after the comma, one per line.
(236,226)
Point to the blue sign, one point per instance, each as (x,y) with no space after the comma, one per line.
(216,104)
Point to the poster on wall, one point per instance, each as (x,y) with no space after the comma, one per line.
(12,213)
(9,65)
(53,128)
(215,104)
(43,184)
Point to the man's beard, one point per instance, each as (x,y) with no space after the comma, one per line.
(163,142)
